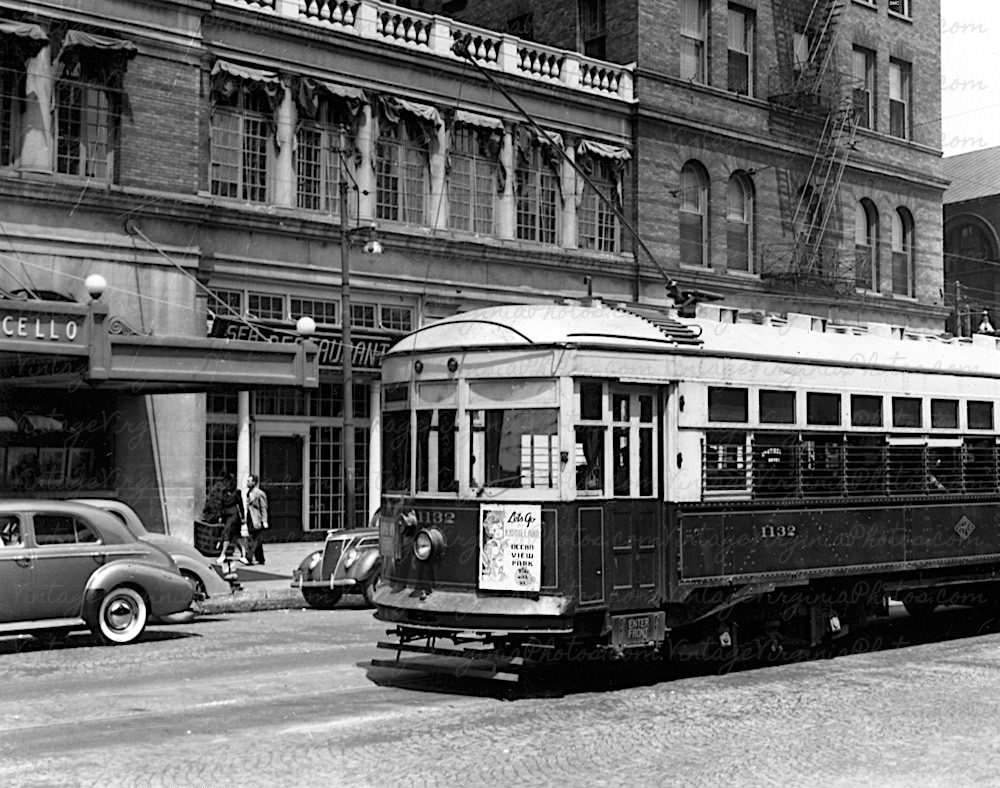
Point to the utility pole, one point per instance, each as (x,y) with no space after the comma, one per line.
(346,346)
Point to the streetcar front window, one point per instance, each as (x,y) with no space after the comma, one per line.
(396,451)
(436,450)
(514,447)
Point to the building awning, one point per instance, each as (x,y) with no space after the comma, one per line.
(423,114)
(79,38)
(477,120)
(27,30)
(307,92)
(256,75)
(603,150)
(68,346)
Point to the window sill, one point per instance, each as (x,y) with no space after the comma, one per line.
(900,17)
(871,5)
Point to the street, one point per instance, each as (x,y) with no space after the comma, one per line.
(286,698)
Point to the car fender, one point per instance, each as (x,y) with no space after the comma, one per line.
(166,591)
(304,574)
(369,563)
(213,582)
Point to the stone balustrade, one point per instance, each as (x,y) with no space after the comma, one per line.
(436,35)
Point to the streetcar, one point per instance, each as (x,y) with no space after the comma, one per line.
(616,479)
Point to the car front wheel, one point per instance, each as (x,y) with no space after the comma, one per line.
(121,617)
(321,598)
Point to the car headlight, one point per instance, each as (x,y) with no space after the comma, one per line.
(314,560)
(350,557)
(429,542)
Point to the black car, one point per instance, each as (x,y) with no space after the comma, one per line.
(348,563)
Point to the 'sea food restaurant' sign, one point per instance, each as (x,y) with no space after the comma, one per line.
(510,547)
(368,348)
(35,327)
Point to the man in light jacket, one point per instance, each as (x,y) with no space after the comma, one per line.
(256,519)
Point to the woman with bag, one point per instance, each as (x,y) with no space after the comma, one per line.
(233,519)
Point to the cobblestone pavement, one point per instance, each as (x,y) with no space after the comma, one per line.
(287,698)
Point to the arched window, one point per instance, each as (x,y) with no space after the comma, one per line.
(902,252)
(866,275)
(694,214)
(739,223)
(969,240)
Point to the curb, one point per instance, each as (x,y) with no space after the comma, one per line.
(247,600)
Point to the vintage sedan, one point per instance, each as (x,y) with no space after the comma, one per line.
(199,571)
(67,566)
(348,563)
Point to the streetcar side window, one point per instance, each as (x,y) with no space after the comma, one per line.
(589,437)
(866,410)
(777,407)
(822,409)
(980,464)
(728,404)
(725,461)
(980,415)
(906,412)
(590,459)
(944,413)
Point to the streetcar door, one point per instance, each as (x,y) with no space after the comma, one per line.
(633,511)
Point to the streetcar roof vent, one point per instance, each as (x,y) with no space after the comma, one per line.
(671,328)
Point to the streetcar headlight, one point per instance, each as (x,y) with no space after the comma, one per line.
(350,557)
(428,543)
(314,560)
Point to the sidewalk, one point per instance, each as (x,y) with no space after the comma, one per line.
(266,587)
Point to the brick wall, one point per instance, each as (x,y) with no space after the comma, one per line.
(159,142)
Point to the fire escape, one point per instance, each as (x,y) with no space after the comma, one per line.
(810,106)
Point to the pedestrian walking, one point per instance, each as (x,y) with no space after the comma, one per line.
(233,518)
(256,519)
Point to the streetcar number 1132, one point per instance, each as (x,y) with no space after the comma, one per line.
(771,531)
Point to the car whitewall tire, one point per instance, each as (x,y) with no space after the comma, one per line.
(122,616)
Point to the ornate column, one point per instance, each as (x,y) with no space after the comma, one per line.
(438,158)
(365,132)
(284,177)
(36,142)
(506,204)
(568,183)
(243,437)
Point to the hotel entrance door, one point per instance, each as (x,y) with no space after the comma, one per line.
(280,463)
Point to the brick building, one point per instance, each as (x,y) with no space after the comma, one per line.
(972,237)
(787,154)
(197,153)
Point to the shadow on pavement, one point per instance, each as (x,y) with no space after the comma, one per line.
(557,679)
(18,644)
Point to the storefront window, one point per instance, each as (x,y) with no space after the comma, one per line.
(51,443)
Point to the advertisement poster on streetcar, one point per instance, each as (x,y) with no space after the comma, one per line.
(510,547)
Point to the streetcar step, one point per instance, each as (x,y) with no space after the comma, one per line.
(463,670)
(465,653)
